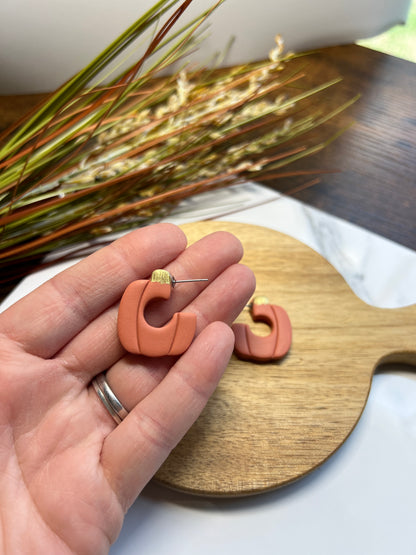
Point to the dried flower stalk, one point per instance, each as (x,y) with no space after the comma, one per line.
(95,160)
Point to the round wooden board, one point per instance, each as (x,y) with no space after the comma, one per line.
(269,424)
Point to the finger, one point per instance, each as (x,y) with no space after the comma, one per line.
(207,258)
(95,349)
(97,346)
(132,378)
(50,316)
(225,298)
(134,451)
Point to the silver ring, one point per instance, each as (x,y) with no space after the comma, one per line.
(108,399)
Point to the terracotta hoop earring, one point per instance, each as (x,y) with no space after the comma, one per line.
(249,346)
(137,335)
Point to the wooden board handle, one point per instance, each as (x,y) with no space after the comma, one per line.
(391,333)
(269,424)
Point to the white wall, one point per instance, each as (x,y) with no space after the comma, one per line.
(44,42)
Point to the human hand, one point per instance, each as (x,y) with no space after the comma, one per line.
(68,472)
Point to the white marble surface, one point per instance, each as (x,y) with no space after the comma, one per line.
(363,500)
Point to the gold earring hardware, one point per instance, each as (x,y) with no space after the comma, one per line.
(260,299)
(163,276)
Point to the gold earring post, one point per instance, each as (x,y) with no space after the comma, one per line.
(163,276)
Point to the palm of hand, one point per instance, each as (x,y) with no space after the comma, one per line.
(68,473)
(51,442)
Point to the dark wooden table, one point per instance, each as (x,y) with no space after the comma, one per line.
(375,182)
(376,158)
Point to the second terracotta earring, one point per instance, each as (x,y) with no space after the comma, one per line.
(249,346)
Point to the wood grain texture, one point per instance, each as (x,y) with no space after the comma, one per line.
(374,161)
(270,424)
(14,107)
